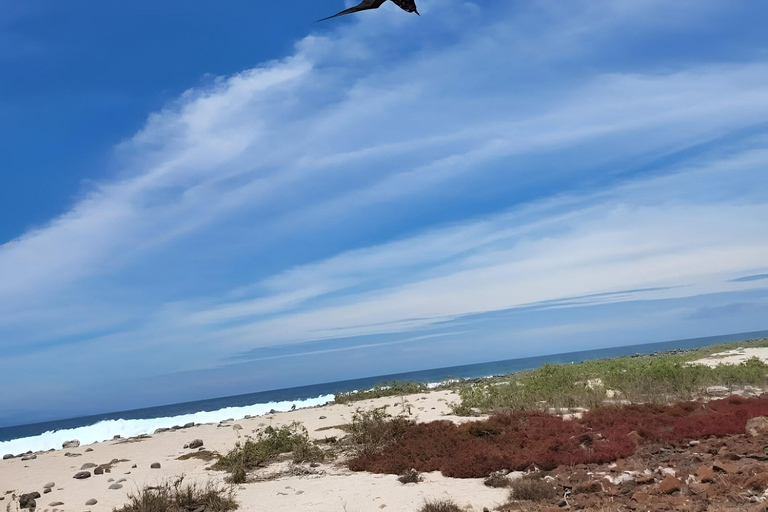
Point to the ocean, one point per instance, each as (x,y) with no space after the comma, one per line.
(102,427)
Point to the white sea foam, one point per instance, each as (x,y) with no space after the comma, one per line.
(106,430)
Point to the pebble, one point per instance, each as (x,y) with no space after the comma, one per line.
(98,471)
(88,465)
(155,465)
(81,475)
(8,456)
(71,444)
(91,501)
(56,504)
(114,487)
(197,443)
(49,485)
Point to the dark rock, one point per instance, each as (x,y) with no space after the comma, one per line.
(8,456)
(189,425)
(197,443)
(28,500)
(49,485)
(322,417)
(118,436)
(56,504)
(88,450)
(71,444)
(29,457)
(114,487)
(161,430)
(155,465)
(88,465)
(98,471)
(82,475)
(46,490)
(91,501)
(70,454)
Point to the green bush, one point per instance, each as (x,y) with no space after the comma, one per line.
(267,445)
(181,498)
(373,429)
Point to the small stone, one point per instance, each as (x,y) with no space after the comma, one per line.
(89,450)
(644,479)
(114,487)
(71,444)
(70,454)
(588,487)
(323,417)
(98,471)
(8,456)
(189,425)
(29,457)
(111,480)
(49,485)
(197,443)
(155,465)
(46,490)
(725,467)
(669,485)
(705,474)
(237,426)
(641,497)
(81,475)
(28,500)
(56,504)
(90,502)
(121,480)
(88,465)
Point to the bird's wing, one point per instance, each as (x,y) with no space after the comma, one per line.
(362,6)
(407,5)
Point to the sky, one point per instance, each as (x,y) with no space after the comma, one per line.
(203,199)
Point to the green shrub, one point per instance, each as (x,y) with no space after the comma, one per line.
(268,444)
(371,430)
(440,506)
(181,498)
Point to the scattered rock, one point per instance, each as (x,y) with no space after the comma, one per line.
(758,482)
(46,490)
(189,425)
(705,474)
(71,444)
(28,500)
(56,504)
(81,475)
(29,457)
(757,426)
(98,471)
(726,467)
(155,465)
(323,417)
(90,502)
(49,485)
(89,450)
(669,485)
(237,426)
(70,454)
(197,443)
(8,456)
(161,430)
(641,497)
(88,465)
(588,487)
(114,487)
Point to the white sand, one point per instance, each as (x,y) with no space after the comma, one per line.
(336,489)
(735,356)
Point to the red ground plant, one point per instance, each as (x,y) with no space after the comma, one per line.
(520,440)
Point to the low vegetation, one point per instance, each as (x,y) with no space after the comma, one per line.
(666,378)
(410,477)
(440,506)
(371,430)
(526,439)
(531,489)
(268,444)
(179,497)
(386,389)
(497,480)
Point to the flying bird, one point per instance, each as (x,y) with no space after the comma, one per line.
(406,5)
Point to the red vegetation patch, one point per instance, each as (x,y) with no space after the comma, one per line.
(520,440)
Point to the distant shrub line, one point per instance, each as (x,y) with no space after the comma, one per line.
(382,390)
(523,439)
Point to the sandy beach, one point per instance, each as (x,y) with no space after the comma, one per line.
(328,487)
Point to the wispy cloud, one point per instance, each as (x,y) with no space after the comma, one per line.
(397,174)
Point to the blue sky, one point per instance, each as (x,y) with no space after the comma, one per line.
(199,200)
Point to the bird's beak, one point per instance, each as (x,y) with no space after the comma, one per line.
(417,12)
